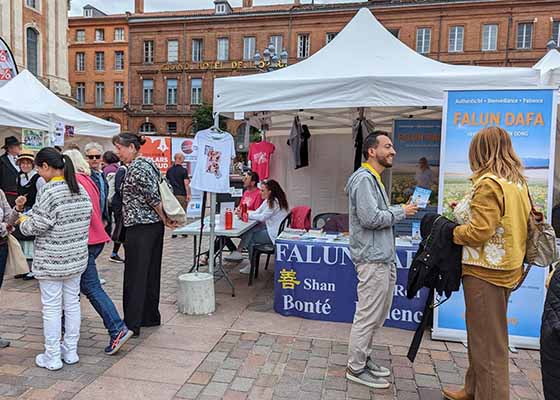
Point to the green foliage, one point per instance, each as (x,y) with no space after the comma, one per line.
(203,119)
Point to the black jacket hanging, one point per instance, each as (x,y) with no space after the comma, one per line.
(550,340)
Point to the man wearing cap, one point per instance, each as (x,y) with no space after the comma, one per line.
(9,170)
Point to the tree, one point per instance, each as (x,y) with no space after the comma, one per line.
(203,119)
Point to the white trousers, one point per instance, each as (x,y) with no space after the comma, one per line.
(55,294)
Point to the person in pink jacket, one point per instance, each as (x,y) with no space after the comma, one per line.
(90,285)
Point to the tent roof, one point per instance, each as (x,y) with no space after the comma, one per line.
(27,103)
(549,68)
(364,66)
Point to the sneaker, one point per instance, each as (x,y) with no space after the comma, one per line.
(234,256)
(29,277)
(116,259)
(118,342)
(42,361)
(377,370)
(366,377)
(4,343)
(102,281)
(69,357)
(246,269)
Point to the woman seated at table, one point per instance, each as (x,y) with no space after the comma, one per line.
(269,216)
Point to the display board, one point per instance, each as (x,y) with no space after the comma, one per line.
(186,147)
(158,149)
(529,116)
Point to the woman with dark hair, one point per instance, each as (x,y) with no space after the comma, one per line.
(145,221)
(270,215)
(59,220)
(114,172)
(110,162)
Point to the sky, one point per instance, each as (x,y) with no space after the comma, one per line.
(120,6)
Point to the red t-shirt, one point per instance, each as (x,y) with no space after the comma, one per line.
(259,155)
(252,199)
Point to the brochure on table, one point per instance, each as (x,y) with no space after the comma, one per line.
(529,115)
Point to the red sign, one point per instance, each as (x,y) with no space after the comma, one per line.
(158,149)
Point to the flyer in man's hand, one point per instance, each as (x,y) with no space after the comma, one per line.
(421,197)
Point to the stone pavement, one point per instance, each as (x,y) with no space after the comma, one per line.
(243,351)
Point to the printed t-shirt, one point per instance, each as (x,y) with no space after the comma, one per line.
(259,155)
(252,199)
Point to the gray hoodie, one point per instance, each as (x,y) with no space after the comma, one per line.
(371,220)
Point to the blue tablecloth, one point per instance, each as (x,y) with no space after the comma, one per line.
(317,280)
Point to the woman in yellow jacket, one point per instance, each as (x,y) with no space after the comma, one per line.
(493,233)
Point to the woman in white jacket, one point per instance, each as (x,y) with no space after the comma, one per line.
(270,215)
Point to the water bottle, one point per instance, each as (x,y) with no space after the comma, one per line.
(229,219)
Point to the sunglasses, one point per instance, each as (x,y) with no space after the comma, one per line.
(94,157)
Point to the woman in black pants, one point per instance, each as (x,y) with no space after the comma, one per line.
(144,220)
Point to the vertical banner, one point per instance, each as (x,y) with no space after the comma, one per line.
(186,147)
(8,66)
(158,148)
(529,116)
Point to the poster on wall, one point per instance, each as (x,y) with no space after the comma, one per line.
(34,140)
(186,147)
(8,66)
(417,143)
(58,137)
(158,149)
(529,116)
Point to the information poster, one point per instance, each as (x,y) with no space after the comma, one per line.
(158,148)
(185,146)
(34,140)
(8,66)
(529,116)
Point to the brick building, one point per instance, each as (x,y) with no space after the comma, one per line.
(36,32)
(175,56)
(98,63)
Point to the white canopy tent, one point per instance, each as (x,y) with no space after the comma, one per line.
(364,67)
(27,103)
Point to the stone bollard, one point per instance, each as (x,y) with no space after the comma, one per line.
(196,294)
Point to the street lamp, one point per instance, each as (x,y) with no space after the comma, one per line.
(270,60)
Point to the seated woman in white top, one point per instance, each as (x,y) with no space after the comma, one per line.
(270,215)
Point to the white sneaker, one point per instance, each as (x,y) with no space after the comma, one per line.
(102,281)
(43,361)
(234,256)
(246,269)
(69,357)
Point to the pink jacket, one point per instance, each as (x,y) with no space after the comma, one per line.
(97,234)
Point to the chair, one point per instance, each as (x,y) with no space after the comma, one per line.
(301,218)
(321,219)
(267,249)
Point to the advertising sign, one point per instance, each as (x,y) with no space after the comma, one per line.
(186,147)
(317,280)
(529,116)
(158,148)
(34,140)
(8,67)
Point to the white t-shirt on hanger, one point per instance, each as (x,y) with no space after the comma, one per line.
(215,151)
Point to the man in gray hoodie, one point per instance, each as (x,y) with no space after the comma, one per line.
(372,246)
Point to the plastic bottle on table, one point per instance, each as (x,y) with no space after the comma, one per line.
(229,219)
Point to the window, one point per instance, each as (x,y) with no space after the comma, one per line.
(196,91)
(223,49)
(80,62)
(148,85)
(172,51)
(88,12)
(119,34)
(221,8)
(119,94)
(81,93)
(100,35)
(197,50)
(80,35)
(31,3)
(490,37)
(148,52)
(276,40)
(423,39)
(525,35)
(172,92)
(119,60)
(249,46)
(99,94)
(456,34)
(556,32)
(172,128)
(330,36)
(32,51)
(394,32)
(303,45)
(99,61)
(147,127)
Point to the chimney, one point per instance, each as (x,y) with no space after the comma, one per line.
(247,3)
(138,6)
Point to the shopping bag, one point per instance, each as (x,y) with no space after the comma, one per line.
(16,263)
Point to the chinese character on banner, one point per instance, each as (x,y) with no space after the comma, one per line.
(288,279)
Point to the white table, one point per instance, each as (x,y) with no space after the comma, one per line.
(239,228)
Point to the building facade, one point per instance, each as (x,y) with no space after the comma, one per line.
(98,64)
(36,31)
(174,57)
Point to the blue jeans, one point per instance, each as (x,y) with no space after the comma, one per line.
(3,260)
(255,237)
(91,288)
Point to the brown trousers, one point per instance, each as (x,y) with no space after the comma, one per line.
(182,201)
(487,332)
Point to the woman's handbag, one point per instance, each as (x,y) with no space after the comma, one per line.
(16,263)
(169,202)
(541,247)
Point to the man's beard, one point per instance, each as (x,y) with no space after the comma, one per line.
(385,163)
